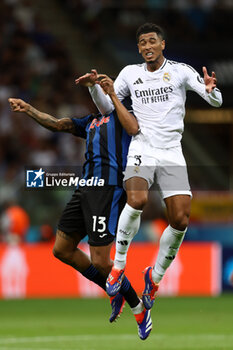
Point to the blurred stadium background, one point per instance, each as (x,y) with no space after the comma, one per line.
(44,46)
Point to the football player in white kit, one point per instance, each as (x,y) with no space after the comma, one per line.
(158,92)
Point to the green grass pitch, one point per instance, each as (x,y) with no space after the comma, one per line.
(82,324)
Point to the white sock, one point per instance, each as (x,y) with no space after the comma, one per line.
(138,309)
(169,245)
(128,226)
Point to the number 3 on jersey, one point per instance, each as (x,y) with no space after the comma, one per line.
(99,221)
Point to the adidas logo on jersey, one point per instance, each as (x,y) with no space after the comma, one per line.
(138,81)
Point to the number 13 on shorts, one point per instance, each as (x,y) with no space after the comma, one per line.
(99,223)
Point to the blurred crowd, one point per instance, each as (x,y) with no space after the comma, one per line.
(35,67)
(188,20)
(193,28)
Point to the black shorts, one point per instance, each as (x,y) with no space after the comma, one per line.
(93,212)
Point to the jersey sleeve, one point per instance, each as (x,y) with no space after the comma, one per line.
(120,85)
(80,125)
(195,82)
(102,101)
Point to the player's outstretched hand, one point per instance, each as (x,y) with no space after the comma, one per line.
(18,105)
(210,81)
(88,79)
(106,83)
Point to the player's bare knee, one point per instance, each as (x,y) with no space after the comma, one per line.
(57,253)
(137,201)
(64,256)
(180,221)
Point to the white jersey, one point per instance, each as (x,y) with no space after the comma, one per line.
(159,98)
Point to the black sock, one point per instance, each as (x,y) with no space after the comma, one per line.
(127,290)
(95,276)
(129,293)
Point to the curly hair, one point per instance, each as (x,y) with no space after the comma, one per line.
(149,28)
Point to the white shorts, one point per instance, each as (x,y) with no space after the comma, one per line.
(165,166)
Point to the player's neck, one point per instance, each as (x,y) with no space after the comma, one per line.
(153,66)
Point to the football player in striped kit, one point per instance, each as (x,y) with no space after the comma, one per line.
(94,211)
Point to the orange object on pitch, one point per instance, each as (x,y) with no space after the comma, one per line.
(18,220)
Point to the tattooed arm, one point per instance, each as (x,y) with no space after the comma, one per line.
(44,119)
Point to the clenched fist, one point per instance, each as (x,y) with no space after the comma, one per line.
(18,105)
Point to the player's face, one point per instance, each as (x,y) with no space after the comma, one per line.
(151,47)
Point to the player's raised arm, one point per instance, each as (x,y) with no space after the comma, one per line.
(206,87)
(102,102)
(210,81)
(127,120)
(44,119)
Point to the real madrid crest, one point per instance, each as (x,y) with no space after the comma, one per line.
(166,77)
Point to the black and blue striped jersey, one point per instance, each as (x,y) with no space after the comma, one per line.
(107,145)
